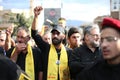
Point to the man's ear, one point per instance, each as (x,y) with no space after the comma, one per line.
(63,36)
(86,37)
(28,37)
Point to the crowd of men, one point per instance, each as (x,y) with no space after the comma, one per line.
(59,54)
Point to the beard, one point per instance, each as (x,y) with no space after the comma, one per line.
(95,44)
(56,41)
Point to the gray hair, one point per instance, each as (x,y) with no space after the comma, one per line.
(87,29)
(24,28)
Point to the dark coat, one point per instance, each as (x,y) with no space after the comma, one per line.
(83,58)
(101,71)
(21,60)
(45,48)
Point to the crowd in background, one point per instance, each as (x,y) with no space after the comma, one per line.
(58,53)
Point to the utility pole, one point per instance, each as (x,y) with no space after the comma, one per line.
(31,7)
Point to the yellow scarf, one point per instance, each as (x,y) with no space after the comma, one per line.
(52,72)
(23,77)
(29,62)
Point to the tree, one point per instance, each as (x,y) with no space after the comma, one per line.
(23,21)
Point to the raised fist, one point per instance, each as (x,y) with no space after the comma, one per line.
(37,10)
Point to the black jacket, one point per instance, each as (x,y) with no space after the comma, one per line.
(82,58)
(101,71)
(9,70)
(45,48)
(21,60)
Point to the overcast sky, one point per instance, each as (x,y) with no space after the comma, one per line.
(84,10)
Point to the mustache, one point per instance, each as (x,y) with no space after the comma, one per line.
(104,48)
(55,39)
(19,42)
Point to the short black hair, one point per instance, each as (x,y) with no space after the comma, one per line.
(73,30)
(117,29)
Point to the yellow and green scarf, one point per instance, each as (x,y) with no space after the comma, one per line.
(52,71)
(29,62)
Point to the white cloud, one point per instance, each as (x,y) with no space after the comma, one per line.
(84,12)
(73,9)
(1,0)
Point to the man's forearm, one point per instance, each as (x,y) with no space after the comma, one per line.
(8,43)
(34,23)
(37,11)
(14,57)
